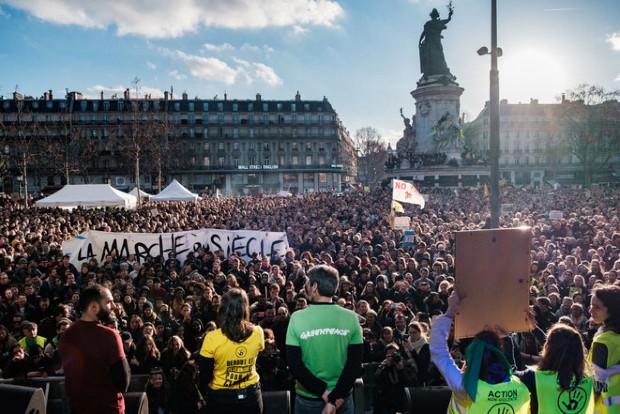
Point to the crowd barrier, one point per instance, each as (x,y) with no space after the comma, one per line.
(370,387)
(52,400)
(427,400)
(17,399)
(47,396)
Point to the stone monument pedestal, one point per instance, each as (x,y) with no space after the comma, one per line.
(437,109)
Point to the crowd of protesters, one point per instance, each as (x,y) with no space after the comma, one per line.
(165,306)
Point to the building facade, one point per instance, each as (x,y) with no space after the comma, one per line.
(252,146)
(534,150)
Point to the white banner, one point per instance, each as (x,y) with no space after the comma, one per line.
(98,244)
(406,193)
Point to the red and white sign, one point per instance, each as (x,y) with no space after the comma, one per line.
(406,193)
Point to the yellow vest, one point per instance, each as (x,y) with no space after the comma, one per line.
(38,339)
(609,401)
(553,399)
(510,397)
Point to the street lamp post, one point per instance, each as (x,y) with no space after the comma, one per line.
(494,118)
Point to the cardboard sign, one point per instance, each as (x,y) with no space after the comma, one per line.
(402,222)
(492,280)
(556,215)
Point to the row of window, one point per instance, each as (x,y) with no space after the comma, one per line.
(235,162)
(158,105)
(519,134)
(537,161)
(191,106)
(232,132)
(206,119)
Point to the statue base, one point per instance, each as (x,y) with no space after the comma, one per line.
(446,79)
(437,108)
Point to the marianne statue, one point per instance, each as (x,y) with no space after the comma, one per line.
(432,60)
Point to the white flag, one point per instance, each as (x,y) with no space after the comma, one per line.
(406,193)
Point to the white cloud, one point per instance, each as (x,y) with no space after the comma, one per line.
(246,47)
(170,19)
(151,65)
(299,30)
(266,74)
(214,69)
(218,48)
(208,68)
(614,40)
(178,76)
(617,78)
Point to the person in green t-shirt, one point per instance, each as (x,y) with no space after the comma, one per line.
(324,348)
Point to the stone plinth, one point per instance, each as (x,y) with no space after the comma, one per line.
(436,100)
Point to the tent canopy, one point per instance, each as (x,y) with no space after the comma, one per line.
(143,194)
(88,195)
(175,192)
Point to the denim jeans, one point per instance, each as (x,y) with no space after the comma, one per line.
(306,406)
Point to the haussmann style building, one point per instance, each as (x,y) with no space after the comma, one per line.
(234,147)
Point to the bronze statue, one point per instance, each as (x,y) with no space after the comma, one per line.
(432,60)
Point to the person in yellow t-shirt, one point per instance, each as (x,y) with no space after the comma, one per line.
(228,359)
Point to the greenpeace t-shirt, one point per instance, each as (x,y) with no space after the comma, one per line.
(324,333)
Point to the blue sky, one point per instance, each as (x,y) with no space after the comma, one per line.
(361,54)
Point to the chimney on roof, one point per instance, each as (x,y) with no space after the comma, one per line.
(297,97)
(258,97)
(563,97)
(51,95)
(184,96)
(127,94)
(102,95)
(225,96)
(503,102)
(165,95)
(171,92)
(533,101)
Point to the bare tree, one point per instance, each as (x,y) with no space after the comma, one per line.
(135,139)
(75,150)
(372,155)
(5,171)
(589,120)
(22,136)
(161,148)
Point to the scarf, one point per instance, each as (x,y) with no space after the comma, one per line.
(418,344)
(473,356)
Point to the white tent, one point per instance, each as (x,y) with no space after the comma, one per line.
(143,194)
(175,192)
(89,196)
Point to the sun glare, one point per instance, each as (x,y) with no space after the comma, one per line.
(531,74)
